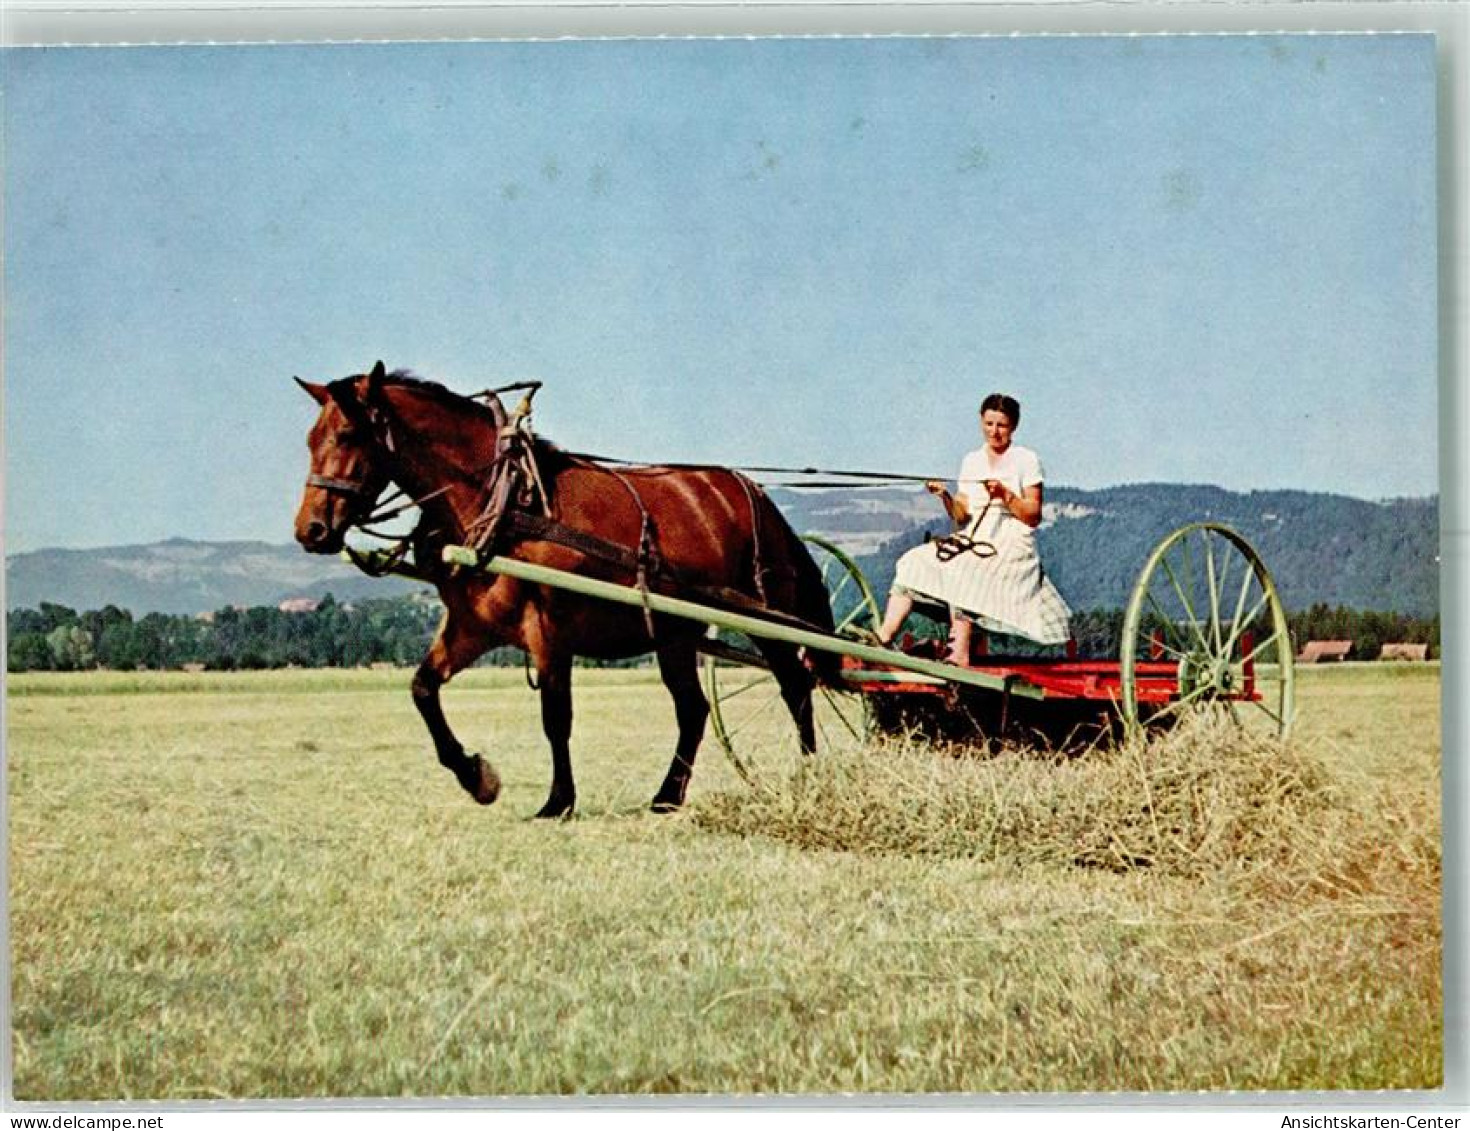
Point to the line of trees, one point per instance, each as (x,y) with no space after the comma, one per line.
(1098,631)
(1368,631)
(398,631)
(57,638)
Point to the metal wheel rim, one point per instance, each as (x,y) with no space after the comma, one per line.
(851,710)
(845,582)
(1203,588)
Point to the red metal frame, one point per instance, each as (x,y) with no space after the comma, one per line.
(1098,681)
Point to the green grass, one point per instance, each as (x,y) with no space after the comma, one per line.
(264,886)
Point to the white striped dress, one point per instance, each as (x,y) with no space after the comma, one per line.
(1007,592)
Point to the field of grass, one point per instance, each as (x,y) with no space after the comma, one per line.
(263,885)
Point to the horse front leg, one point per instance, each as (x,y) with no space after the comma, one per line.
(451,652)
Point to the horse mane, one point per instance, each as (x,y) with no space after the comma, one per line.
(492,413)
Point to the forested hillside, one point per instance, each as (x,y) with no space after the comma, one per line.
(1321,549)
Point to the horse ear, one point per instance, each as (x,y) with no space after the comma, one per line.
(372,383)
(317,393)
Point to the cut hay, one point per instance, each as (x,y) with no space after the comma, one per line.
(1206,797)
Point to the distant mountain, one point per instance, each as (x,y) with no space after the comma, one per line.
(861,519)
(1319,548)
(181,576)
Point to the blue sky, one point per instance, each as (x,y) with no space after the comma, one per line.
(1194,259)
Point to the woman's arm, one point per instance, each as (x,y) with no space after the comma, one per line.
(1025,506)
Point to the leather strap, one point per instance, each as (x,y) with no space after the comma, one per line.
(341,486)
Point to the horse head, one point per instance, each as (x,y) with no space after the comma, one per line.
(349,462)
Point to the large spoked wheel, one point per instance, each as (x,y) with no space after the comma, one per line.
(1205,628)
(747,714)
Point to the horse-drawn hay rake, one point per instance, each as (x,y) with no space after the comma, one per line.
(1204,627)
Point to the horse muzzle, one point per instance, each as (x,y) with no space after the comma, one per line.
(316,537)
(315,529)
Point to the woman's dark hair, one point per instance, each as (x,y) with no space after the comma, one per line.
(999,402)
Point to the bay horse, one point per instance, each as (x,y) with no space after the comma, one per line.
(708,530)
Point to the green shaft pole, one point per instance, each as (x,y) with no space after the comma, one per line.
(736,622)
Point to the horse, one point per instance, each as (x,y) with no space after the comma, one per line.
(477,478)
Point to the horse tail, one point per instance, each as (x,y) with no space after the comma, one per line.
(815,605)
(812,603)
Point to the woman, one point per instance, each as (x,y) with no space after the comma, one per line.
(989,573)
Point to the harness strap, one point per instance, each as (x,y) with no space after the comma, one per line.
(513,478)
(520,526)
(757,570)
(648,556)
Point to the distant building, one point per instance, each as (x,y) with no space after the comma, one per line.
(1325,651)
(1404,652)
(299,605)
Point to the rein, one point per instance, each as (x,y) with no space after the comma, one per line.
(951,546)
(874,477)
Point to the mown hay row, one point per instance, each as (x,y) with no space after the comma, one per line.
(1204,799)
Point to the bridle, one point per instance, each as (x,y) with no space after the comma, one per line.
(340,486)
(390,508)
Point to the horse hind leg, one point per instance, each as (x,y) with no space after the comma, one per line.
(554,675)
(796,684)
(678,666)
(451,652)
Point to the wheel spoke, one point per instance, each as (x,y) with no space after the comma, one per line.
(1245,589)
(1167,649)
(1236,630)
(759,681)
(1186,554)
(764,708)
(1214,592)
(1224,573)
(1260,705)
(1178,705)
(1170,626)
(1251,656)
(840,709)
(1183,600)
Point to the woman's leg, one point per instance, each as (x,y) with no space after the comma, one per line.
(899,607)
(960,630)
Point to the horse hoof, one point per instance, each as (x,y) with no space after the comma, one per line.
(484,786)
(661,806)
(556,810)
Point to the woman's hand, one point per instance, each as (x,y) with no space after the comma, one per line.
(957,507)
